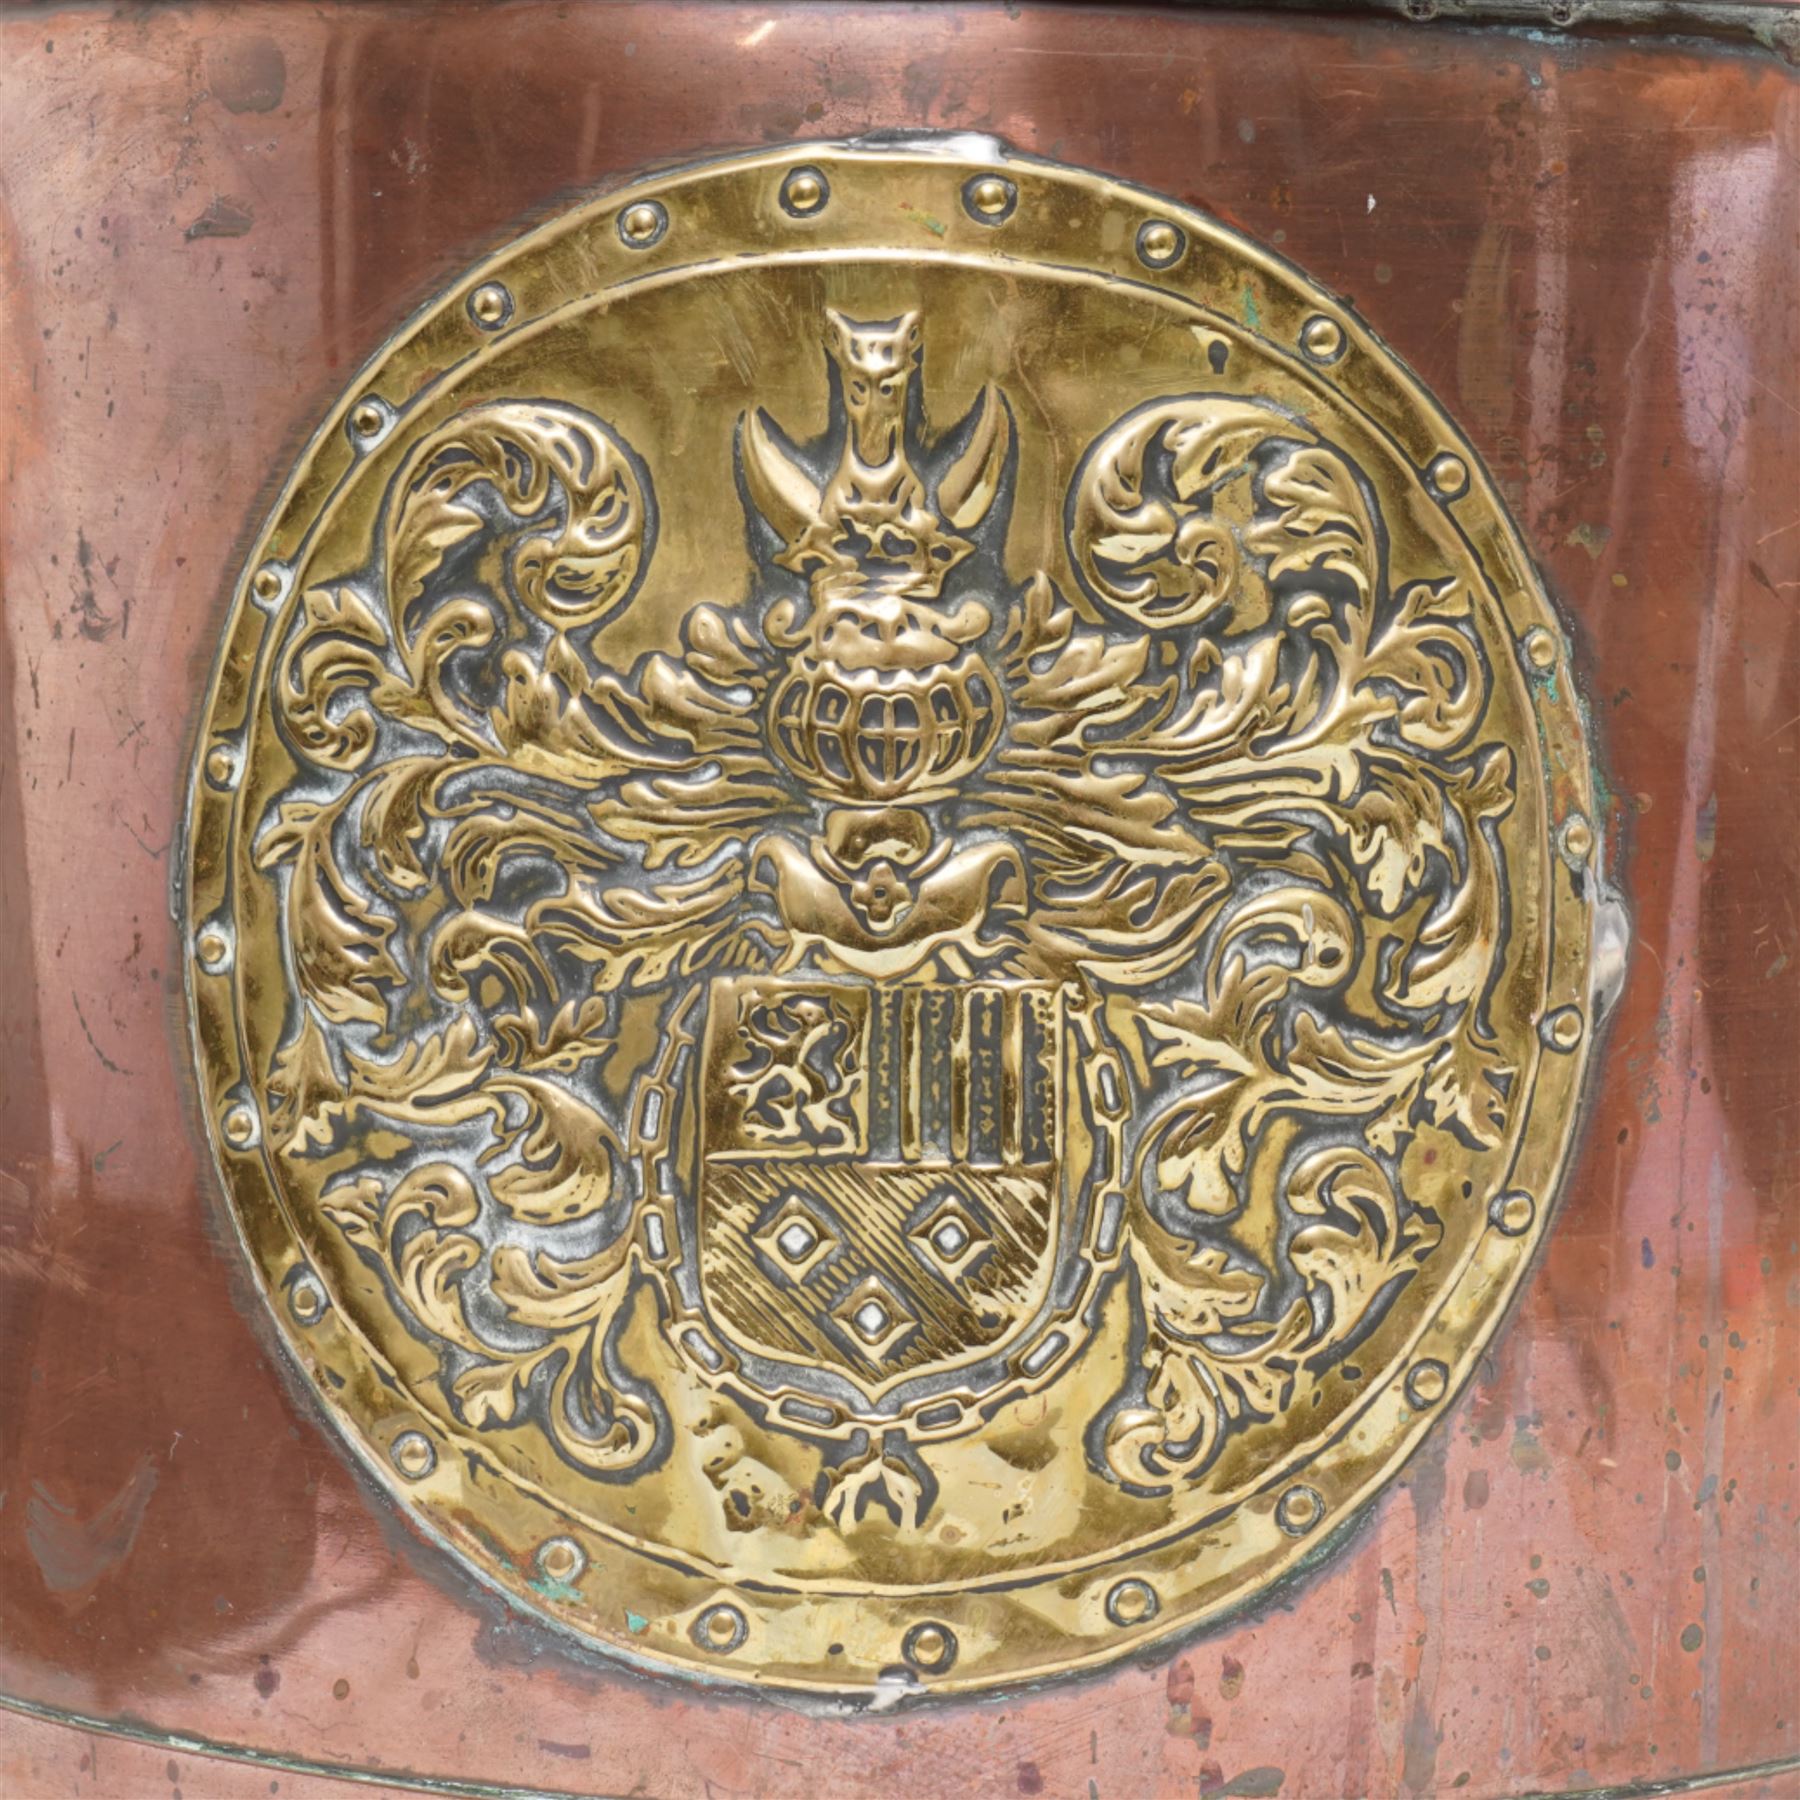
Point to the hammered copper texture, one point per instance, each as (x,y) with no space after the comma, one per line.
(1584,246)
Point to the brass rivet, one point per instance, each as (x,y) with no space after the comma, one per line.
(490,304)
(1426,1383)
(804,191)
(1578,837)
(212,947)
(561,1559)
(1299,1510)
(1562,1030)
(413,1455)
(240,1127)
(265,584)
(1159,244)
(367,419)
(306,1300)
(1132,1602)
(1449,476)
(930,1648)
(990,198)
(1540,648)
(720,1628)
(221,765)
(1512,1214)
(1322,339)
(641,225)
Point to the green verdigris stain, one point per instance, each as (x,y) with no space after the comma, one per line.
(636,1621)
(930,221)
(492,1545)
(1252,312)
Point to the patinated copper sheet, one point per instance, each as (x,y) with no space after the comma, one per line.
(1583,247)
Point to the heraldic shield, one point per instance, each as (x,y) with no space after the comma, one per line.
(879,1195)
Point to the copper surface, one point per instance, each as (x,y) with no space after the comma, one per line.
(1583,247)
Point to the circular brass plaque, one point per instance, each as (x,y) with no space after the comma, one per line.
(891,890)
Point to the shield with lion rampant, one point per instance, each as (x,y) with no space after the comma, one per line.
(879,1194)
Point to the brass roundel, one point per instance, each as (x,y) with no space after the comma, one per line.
(835,981)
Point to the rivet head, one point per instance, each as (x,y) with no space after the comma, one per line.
(805,191)
(930,1648)
(641,225)
(1512,1214)
(213,948)
(1322,339)
(490,305)
(561,1559)
(1577,838)
(221,765)
(1299,1510)
(721,1628)
(367,419)
(239,1127)
(306,1300)
(265,584)
(1426,1383)
(413,1455)
(1449,476)
(1563,1028)
(1159,244)
(1540,648)
(1132,1602)
(990,198)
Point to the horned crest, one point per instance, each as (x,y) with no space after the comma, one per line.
(876,521)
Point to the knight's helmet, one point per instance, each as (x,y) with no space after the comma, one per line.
(885,699)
